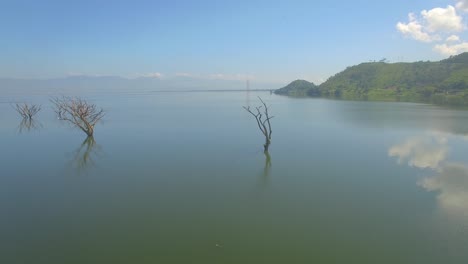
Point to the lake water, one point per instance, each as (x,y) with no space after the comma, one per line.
(180,177)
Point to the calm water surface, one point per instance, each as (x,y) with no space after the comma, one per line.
(181,178)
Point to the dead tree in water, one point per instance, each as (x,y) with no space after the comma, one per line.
(263,121)
(27,111)
(78,112)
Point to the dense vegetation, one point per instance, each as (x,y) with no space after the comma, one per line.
(299,88)
(442,82)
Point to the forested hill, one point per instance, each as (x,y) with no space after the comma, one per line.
(299,88)
(442,82)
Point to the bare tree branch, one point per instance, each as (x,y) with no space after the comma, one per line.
(263,121)
(27,111)
(78,112)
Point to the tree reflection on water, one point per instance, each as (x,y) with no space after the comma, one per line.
(84,156)
(28,125)
(264,177)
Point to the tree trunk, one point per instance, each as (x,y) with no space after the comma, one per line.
(266,145)
(89,130)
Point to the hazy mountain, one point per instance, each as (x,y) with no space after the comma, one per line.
(87,84)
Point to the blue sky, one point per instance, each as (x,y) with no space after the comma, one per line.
(265,41)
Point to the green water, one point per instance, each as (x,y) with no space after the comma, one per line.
(182,178)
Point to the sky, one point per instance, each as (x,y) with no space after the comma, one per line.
(263,41)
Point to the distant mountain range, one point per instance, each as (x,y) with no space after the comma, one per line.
(83,83)
(442,82)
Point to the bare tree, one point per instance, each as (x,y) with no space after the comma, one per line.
(27,111)
(78,112)
(263,121)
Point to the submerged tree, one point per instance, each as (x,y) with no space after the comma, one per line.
(27,111)
(78,112)
(263,121)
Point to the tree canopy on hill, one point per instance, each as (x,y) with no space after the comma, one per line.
(298,88)
(442,82)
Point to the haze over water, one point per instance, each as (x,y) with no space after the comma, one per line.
(182,178)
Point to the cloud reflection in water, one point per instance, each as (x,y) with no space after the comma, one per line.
(450,179)
(422,152)
(451,183)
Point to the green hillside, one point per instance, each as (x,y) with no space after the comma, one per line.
(442,82)
(299,88)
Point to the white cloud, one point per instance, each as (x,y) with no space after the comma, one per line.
(432,23)
(462,5)
(414,29)
(451,49)
(438,25)
(151,75)
(452,38)
(421,152)
(442,19)
(185,74)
